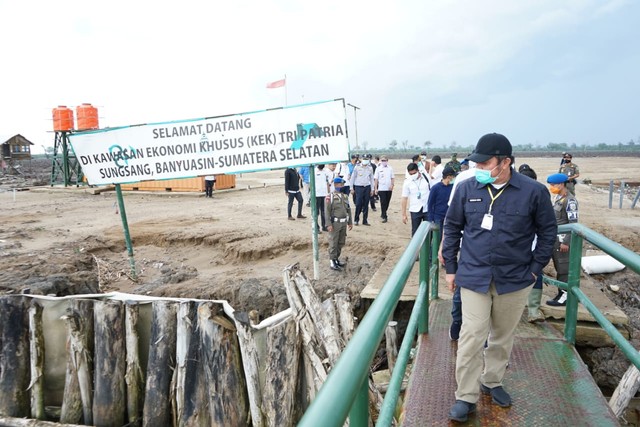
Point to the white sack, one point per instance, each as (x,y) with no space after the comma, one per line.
(601,264)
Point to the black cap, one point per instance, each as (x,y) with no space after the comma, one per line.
(524,167)
(490,145)
(354,156)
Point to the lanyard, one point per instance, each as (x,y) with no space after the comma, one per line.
(493,199)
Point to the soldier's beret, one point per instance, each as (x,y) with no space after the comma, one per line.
(338,180)
(557,178)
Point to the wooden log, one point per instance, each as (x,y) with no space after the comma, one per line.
(314,351)
(220,357)
(77,403)
(281,368)
(109,397)
(186,321)
(134,378)
(195,410)
(323,326)
(160,366)
(36,352)
(345,317)
(14,356)
(627,388)
(251,365)
(24,422)
(391,336)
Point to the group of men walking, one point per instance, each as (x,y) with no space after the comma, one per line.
(499,232)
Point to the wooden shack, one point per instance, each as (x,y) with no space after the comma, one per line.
(16,147)
(223,182)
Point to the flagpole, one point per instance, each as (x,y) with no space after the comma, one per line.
(285,90)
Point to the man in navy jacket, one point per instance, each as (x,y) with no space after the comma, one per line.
(500,213)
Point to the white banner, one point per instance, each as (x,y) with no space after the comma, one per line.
(247,142)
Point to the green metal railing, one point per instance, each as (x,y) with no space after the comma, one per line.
(579,233)
(346,390)
(345,393)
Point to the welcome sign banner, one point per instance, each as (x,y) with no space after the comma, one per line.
(246,142)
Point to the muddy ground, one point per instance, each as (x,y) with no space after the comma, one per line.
(234,246)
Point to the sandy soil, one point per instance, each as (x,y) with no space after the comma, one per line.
(231,247)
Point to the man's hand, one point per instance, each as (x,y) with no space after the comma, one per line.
(564,248)
(353,191)
(440,257)
(330,228)
(350,227)
(404,218)
(451,282)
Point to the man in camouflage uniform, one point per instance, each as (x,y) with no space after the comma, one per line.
(454,163)
(566,209)
(571,170)
(337,213)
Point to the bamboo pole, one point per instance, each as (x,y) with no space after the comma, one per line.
(14,359)
(109,398)
(251,364)
(220,358)
(134,377)
(627,388)
(77,403)
(281,368)
(162,350)
(345,317)
(23,422)
(36,352)
(391,336)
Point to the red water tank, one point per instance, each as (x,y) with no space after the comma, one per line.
(87,117)
(62,118)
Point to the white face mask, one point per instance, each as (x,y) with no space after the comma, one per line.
(415,177)
(365,162)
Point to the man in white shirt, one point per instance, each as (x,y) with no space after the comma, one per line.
(322,191)
(415,195)
(383,181)
(436,169)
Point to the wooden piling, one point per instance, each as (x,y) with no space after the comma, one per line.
(281,368)
(220,357)
(251,364)
(77,403)
(134,378)
(14,356)
(161,364)
(36,352)
(186,321)
(345,317)
(391,336)
(109,398)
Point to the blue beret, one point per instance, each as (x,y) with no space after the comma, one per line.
(557,178)
(338,180)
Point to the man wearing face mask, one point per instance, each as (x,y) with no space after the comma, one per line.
(384,180)
(565,207)
(500,213)
(362,188)
(415,196)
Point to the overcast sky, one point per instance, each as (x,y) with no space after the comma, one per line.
(439,70)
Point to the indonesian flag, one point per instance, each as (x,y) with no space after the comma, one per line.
(276,84)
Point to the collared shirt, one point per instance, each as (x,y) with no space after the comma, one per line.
(362,175)
(502,254)
(437,174)
(304,174)
(322,182)
(384,177)
(566,211)
(417,192)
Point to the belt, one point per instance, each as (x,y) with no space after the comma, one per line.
(340,219)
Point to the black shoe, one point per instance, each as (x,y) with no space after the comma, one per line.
(355,223)
(335,265)
(461,410)
(325,229)
(454,331)
(340,263)
(498,395)
(384,220)
(374,209)
(560,300)
(365,223)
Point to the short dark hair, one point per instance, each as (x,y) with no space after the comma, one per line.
(412,167)
(530,173)
(415,158)
(437,159)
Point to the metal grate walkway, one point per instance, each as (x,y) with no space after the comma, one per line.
(547,380)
